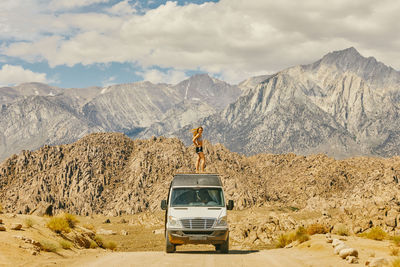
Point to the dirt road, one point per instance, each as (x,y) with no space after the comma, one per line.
(315,252)
(271,258)
(184,258)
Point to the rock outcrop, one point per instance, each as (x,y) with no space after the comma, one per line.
(110,174)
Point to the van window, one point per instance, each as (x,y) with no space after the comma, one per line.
(209,197)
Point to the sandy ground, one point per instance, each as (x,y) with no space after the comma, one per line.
(315,252)
(144,248)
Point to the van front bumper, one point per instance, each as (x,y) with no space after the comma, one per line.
(189,236)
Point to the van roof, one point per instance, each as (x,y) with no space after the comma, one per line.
(195,179)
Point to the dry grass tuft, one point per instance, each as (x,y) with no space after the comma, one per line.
(317,228)
(110,245)
(58,225)
(65,244)
(342,230)
(394,251)
(396,240)
(48,246)
(396,262)
(29,222)
(71,220)
(375,233)
(300,235)
(93,244)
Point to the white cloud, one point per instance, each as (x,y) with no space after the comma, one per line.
(11,75)
(169,77)
(123,8)
(70,4)
(233,38)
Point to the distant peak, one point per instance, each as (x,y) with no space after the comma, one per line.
(350,52)
(201,76)
(345,59)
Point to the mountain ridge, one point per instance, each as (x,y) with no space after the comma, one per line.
(348,98)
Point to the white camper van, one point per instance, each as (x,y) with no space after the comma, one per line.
(196,212)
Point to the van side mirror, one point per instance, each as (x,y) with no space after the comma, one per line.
(230,205)
(163,204)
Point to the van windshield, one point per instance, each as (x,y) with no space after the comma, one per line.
(209,197)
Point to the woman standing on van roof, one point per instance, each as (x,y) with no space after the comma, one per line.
(198,142)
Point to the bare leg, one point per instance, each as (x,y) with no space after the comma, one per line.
(203,164)
(198,163)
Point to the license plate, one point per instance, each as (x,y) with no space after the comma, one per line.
(200,237)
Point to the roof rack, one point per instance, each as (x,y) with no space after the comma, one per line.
(196,179)
(214,173)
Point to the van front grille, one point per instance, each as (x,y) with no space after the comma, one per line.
(197,232)
(197,223)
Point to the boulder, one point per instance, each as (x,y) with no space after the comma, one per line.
(328,235)
(158,231)
(377,262)
(344,253)
(79,239)
(339,247)
(124,232)
(352,259)
(336,242)
(105,232)
(391,219)
(2,228)
(16,226)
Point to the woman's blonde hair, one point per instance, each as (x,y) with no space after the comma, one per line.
(196,130)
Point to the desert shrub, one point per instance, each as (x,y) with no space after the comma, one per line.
(301,235)
(285,239)
(90,227)
(396,240)
(29,222)
(375,233)
(58,225)
(317,228)
(394,251)
(93,244)
(65,244)
(110,245)
(396,262)
(71,220)
(342,230)
(99,241)
(48,246)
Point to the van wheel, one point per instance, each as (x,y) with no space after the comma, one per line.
(217,247)
(224,247)
(169,247)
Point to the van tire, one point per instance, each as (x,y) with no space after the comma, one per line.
(169,247)
(217,247)
(224,247)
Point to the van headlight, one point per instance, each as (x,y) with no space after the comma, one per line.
(174,222)
(223,221)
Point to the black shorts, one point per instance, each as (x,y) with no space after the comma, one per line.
(199,149)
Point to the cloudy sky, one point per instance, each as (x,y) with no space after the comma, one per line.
(81,43)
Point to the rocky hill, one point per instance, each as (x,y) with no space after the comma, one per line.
(343,105)
(108,173)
